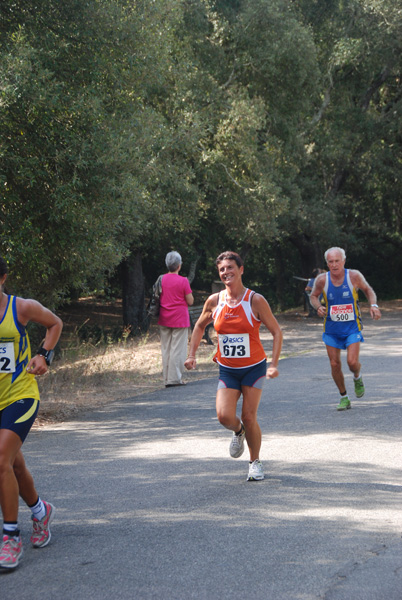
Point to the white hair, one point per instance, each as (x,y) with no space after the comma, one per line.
(337,249)
(173,260)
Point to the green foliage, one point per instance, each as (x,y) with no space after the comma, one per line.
(356,139)
(271,127)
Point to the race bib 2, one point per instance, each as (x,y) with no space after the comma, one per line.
(7,358)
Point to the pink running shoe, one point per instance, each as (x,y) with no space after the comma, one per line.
(10,552)
(41,531)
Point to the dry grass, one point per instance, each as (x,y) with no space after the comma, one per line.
(89,376)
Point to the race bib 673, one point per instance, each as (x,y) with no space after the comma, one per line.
(236,345)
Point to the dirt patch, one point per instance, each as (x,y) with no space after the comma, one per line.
(92,373)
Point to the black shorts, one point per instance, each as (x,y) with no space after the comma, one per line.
(19,416)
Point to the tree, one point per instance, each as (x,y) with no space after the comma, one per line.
(131,128)
(74,75)
(355,139)
(57,218)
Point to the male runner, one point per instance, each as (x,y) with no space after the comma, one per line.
(342,318)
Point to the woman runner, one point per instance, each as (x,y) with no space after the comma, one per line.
(237,313)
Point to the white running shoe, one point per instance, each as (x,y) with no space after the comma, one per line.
(255,472)
(236,447)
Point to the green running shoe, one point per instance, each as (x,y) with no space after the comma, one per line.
(344,404)
(359,387)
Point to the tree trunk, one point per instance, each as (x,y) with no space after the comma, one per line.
(280,277)
(311,256)
(133,289)
(193,268)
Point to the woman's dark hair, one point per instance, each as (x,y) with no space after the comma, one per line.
(229,255)
(3,267)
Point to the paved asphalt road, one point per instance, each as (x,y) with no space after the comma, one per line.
(151,507)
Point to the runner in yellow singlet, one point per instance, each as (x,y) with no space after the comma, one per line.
(19,403)
(237,313)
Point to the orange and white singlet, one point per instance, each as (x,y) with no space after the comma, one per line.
(238,333)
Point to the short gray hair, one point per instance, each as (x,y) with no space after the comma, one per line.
(173,260)
(341,250)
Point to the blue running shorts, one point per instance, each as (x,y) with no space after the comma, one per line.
(236,378)
(342,341)
(19,416)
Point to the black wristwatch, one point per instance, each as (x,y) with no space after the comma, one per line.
(47,355)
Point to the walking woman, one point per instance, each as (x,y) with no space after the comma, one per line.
(19,404)
(174,320)
(237,313)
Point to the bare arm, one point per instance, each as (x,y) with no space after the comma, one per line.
(199,329)
(190,299)
(360,283)
(318,289)
(263,311)
(31,310)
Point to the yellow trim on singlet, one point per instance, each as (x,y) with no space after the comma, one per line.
(20,384)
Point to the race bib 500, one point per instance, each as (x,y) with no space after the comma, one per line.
(342,312)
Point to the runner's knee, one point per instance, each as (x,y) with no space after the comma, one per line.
(249,418)
(336,364)
(5,465)
(354,365)
(225,419)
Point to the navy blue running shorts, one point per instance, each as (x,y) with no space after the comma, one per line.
(236,378)
(19,416)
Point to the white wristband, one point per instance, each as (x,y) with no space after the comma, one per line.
(374,305)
